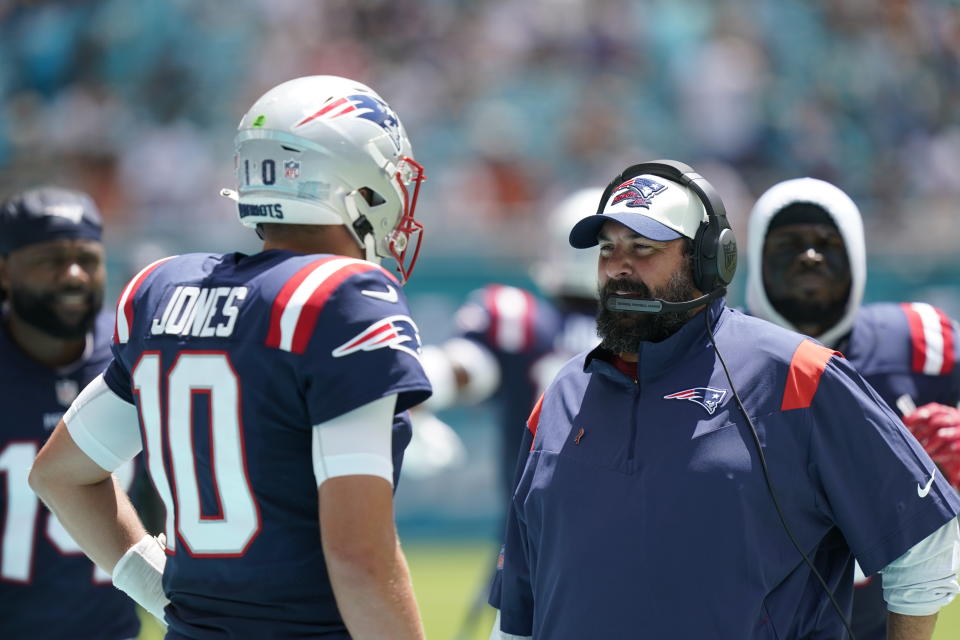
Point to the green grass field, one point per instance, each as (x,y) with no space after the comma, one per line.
(446,576)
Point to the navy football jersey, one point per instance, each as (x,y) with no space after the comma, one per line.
(908,349)
(48,587)
(531,340)
(231,360)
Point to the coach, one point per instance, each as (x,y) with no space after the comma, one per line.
(704,474)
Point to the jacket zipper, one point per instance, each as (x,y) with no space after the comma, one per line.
(633,425)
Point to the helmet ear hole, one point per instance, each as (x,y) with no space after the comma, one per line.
(372,197)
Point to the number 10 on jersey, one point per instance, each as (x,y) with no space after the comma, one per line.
(169,433)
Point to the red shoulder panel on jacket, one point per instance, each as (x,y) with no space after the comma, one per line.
(803,378)
(534,420)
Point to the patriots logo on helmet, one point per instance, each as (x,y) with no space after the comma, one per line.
(362,106)
(638,192)
(707,397)
(395,332)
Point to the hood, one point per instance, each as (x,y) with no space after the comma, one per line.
(845,215)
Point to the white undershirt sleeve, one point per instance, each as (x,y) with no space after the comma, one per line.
(359,442)
(496,634)
(924,579)
(104,425)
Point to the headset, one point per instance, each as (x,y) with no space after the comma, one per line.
(714,264)
(714,246)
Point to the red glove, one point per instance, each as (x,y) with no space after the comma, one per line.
(937,428)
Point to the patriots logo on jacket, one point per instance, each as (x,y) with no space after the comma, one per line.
(361,106)
(707,397)
(638,192)
(394,332)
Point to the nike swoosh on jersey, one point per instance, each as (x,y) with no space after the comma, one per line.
(925,490)
(390,295)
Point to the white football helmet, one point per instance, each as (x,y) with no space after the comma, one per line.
(565,271)
(306,149)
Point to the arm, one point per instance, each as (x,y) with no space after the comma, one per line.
(901,627)
(92,507)
(368,572)
(72,476)
(461,371)
(367,567)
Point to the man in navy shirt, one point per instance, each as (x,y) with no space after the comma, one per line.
(54,339)
(643,507)
(806,250)
(270,391)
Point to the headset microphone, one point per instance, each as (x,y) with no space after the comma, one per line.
(656,305)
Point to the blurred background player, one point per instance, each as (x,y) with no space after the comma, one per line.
(54,339)
(511,342)
(808,270)
(264,382)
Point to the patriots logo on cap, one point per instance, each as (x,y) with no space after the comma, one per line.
(395,332)
(362,106)
(707,397)
(637,192)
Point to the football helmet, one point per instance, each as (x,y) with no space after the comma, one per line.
(565,271)
(329,150)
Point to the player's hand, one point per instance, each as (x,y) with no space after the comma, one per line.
(937,428)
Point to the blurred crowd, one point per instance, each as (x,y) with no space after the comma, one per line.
(509,103)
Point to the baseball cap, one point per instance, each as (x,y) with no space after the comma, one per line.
(47,213)
(652,206)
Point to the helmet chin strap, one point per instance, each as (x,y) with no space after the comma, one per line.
(370,247)
(360,228)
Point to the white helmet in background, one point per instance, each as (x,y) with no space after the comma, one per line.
(306,149)
(565,271)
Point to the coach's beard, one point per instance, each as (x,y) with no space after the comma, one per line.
(622,331)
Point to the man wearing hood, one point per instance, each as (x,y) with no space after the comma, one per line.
(808,271)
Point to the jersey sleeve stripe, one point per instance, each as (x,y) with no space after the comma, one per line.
(511,318)
(297,307)
(949,343)
(803,378)
(932,338)
(534,420)
(124,318)
(283,297)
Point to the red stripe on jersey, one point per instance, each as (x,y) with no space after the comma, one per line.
(314,304)
(528,316)
(280,302)
(534,420)
(127,295)
(917,338)
(946,330)
(490,302)
(806,367)
(511,313)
